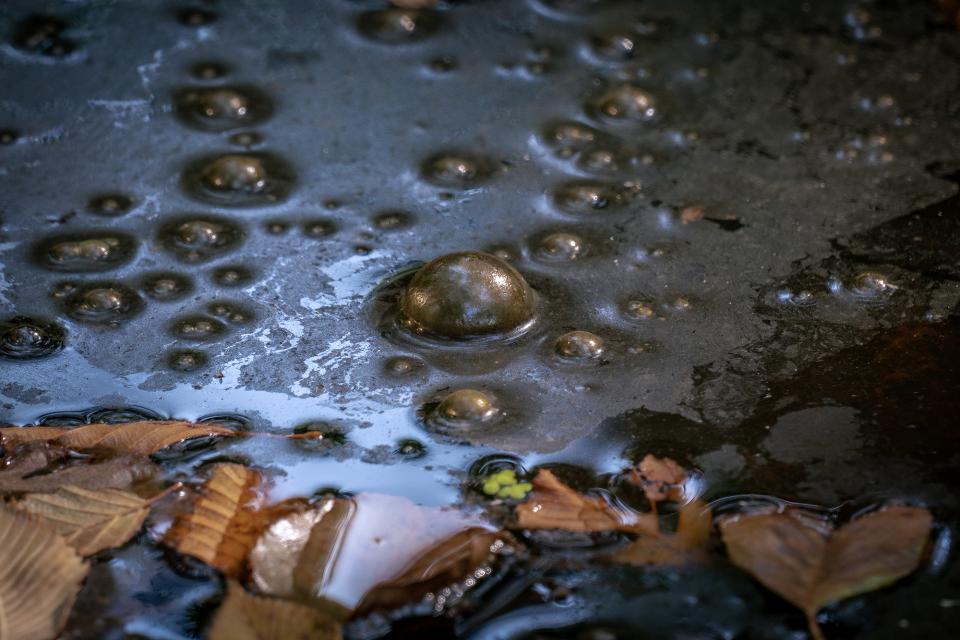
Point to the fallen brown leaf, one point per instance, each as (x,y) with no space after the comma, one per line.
(40,575)
(143,438)
(660,478)
(116,473)
(89,521)
(442,565)
(344,549)
(554,505)
(243,616)
(686,546)
(811,567)
(223,524)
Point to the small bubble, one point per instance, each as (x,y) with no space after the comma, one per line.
(456,170)
(198,328)
(166,286)
(411,449)
(868,287)
(246,139)
(403,366)
(587,196)
(232,276)
(443,64)
(43,35)
(102,303)
(802,298)
(186,360)
(27,338)
(397,26)
(86,252)
(570,135)
(239,179)
(200,238)
(110,204)
(624,102)
(465,408)
(209,70)
(8,136)
(276,227)
(221,108)
(560,246)
(614,46)
(392,220)
(195,17)
(230,312)
(639,309)
(600,161)
(319,228)
(579,345)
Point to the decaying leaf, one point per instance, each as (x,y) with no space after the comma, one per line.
(345,548)
(89,521)
(554,505)
(223,524)
(40,575)
(145,437)
(686,546)
(444,564)
(811,567)
(116,473)
(660,478)
(243,616)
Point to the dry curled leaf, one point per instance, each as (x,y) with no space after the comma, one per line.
(40,575)
(144,438)
(89,521)
(660,478)
(224,522)
(115,473)
(686,546)
(343,549)
(812,567)
(554,505)
(244,616)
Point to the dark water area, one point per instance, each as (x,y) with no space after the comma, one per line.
(739,222)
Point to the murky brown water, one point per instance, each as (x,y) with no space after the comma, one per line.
(724,232)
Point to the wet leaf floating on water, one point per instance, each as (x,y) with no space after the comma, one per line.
(685,547)
(244,616)
(554,505)
(811,567)
(223,524)
(116,473)
(460,556)
(40,575)
(345,549)
(660,478)
(90,521)
(143,438)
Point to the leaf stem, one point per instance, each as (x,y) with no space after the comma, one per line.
(814,626)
